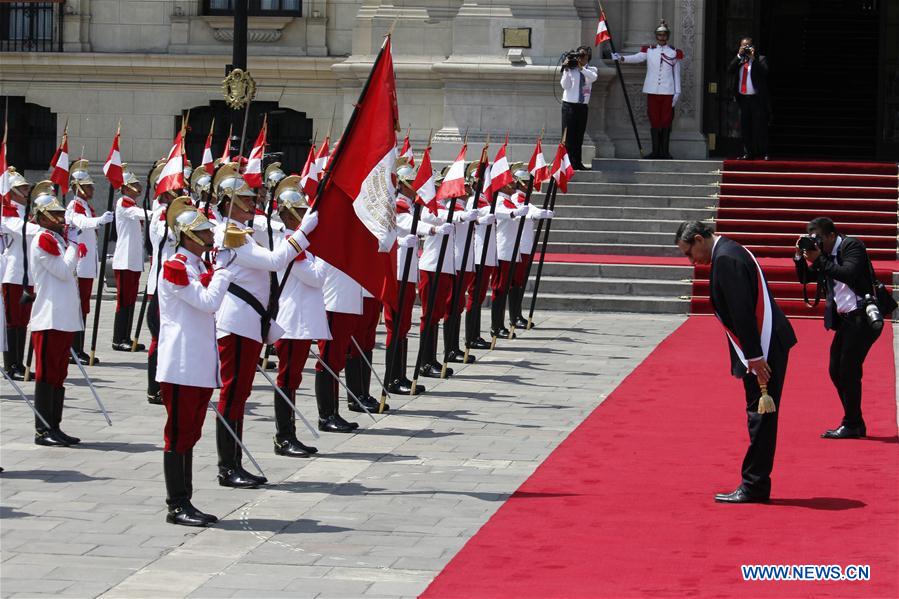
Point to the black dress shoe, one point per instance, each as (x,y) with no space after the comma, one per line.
(49,439)
(456,355)
(332,425)
(739,496)
(121,346)
(439,368)
(844,432)
(520,323)
(371,404)
(479,343)
(193,511)
(155,398)
(431,371)
(236,479)
(85,359)
(502,333)
(67,439)
(183,516)
(292,448)
(404,387)
(259,480)
(15,374)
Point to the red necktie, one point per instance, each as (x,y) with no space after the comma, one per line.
(743,80)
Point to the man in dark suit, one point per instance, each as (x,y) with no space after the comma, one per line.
(749,75)
(842,265)
(759,345)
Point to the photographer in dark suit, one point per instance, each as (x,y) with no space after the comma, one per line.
(759,345)
(750,87)
(842,266)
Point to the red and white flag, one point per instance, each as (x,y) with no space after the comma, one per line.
(59,164)
(252,174)
(406,152)
(500,175)
(321,159)
(4,172)
(537,166)
(208,164)
(425,189)
(226,152)
(602,30)
(453,185)
(356,231)
(562,170)
(172,176)
(310,176)
(112,168)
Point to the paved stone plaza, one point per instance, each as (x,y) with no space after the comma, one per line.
(378,513)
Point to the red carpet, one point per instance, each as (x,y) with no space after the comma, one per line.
(614,259)
(623,507)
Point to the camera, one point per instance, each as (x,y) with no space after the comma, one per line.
(746,52)
(571,59)
(811,242)
(872,313)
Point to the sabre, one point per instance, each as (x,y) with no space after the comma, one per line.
(372,368)
(25,397)
(236,438)
(342,384)
(287,399)
(91,385)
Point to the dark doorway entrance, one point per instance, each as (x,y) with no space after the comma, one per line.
(833,76)
(31,138)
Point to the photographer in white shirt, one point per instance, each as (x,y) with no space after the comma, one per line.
(577,80)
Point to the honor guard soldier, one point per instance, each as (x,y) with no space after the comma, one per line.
(398,329)
(162,246)
(264,218)
(465,213)
(525,246)
(507,215)
(56,315)
(189,294)
(301,313)
(18,290)
(81,215)
(473,339)
(661,86)
(201,192)
(127,259)
(244,322)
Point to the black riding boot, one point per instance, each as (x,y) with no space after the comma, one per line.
(59,397)
(358,379)
(177,497)
(430,365)
(154,393)
(366,384)
(78,346)
(473,339)
(118,325)
(454,353)
(231,474)
(665,139)
(656,135)
(286,442)
(129,324)
(10,361)
(189,485)
(396,372)
(497,307)
(326,398)
(43,405)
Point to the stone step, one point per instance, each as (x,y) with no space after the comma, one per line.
(627,237)
(623,249)
(642,189)
(663,177)
(636,164)
(589,198)
(563,222)
(611,286)
(637,212)
(609,303)
(621,271)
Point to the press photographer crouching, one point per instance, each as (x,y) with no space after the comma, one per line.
(855,305)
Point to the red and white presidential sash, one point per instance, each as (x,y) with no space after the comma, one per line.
(764,317)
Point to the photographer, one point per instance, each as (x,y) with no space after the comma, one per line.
(577,79)
(842,265)
(750,87)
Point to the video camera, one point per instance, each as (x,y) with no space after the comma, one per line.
(811,242)
(746,52)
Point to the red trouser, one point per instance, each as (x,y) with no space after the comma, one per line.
(367,327)
(482,295)
(51,356)
(292,355)
(186,409)
(467,283)
(441,300)
(126,282)
(405,318)
(17,313)
(659,110)
(334,350)
(521,269)
(239,356)
(500,279)
(85,285)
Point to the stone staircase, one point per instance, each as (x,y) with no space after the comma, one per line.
(625,208)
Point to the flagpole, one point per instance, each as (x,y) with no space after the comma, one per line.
(102,281)
(552,205)
(148,248)
(627,100)
(546,200)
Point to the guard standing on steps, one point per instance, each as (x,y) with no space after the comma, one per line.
(18,291)
(189,295)
(507,215)
(81,214)
(56,315)
(398,332)
(301,313)
(661,86)
(128,259)
(244,321)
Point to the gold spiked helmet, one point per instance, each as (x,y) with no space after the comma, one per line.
(184,218)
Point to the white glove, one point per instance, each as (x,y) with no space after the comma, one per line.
(106,217)
(310,221)
(469,215)
(520,211)
(674,100)
(445,229)
(548,214)
(616,56)
(489,219)
(224,257)
(408,241)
